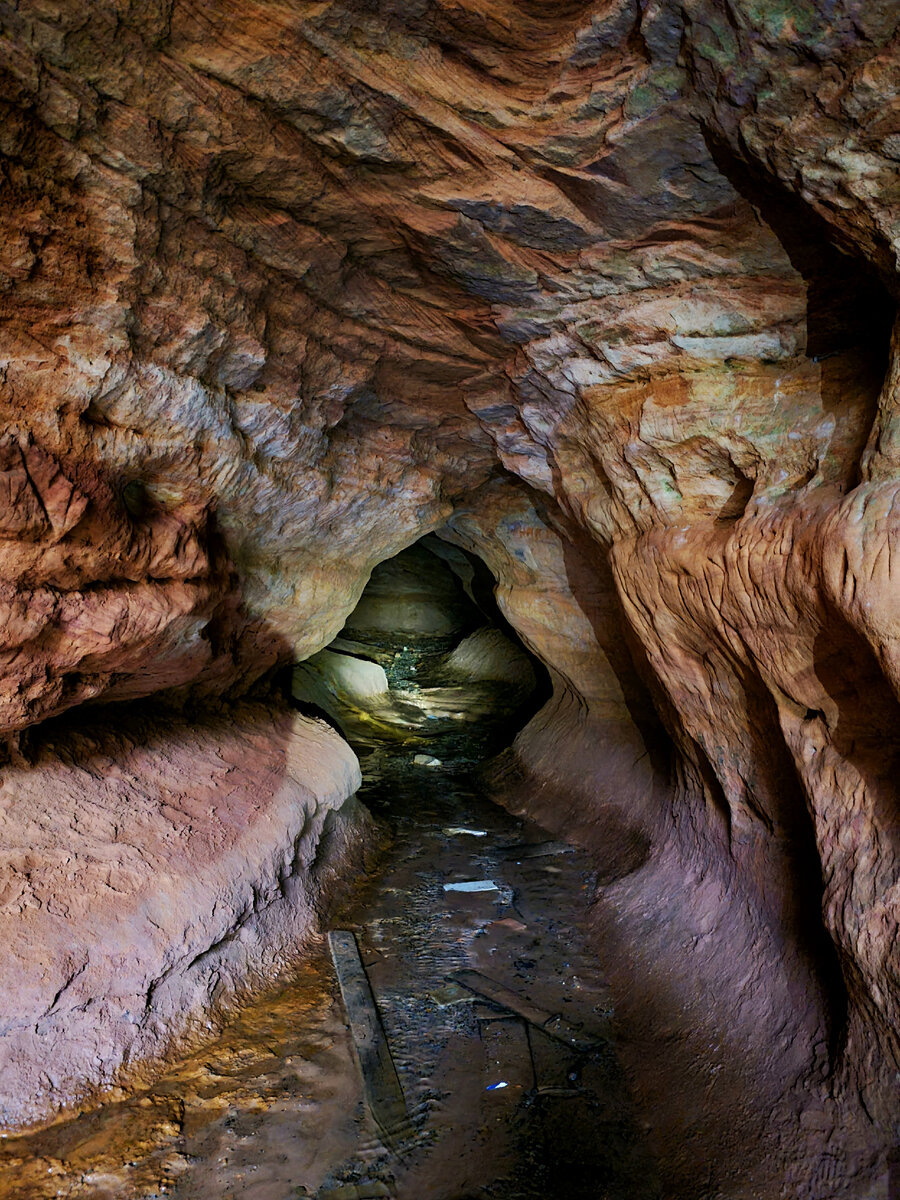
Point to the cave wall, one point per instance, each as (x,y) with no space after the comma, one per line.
(599,291)
(157,868)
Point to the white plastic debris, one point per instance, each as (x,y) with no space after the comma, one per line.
(426,760)
(493,1087)
(450,993)
(453,830)
(472,885)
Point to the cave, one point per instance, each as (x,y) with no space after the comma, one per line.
(427,659)
(450,648)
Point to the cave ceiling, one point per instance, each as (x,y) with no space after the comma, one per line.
(263,264)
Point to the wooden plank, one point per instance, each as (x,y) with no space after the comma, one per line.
(550,1023)
(525,850)
(381,1086)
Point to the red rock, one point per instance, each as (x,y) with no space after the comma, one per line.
(600,293)
(154,870)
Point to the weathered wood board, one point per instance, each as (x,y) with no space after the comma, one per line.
(381,1086)
(550,1023)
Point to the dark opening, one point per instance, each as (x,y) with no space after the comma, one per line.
(426,666)
(850,311)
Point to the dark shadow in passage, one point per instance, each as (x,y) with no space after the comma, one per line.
(850,312)
(420,618)
(867,733)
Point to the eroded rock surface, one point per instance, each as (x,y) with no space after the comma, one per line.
(601,292)
(154,870)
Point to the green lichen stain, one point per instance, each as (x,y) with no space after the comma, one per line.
(716,42)
(784,18)
(668,82)
(655,90)
(641,101)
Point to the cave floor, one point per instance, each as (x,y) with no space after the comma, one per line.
(273,1108)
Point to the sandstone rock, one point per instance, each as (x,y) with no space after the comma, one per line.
(603,295)
(414,594)
(154,870)
(340,675)
(487,654)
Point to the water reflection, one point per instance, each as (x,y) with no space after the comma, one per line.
(273,1107)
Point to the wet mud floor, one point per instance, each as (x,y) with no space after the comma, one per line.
(500,1110)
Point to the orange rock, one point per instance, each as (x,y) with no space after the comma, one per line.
(602,294)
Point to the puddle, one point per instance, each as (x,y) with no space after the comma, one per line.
(500,1109)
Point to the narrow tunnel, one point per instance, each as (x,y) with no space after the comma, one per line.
(474,928)
(425,663)
(472,924)
(449,639)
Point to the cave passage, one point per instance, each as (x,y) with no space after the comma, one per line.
(427,661)
(425,681)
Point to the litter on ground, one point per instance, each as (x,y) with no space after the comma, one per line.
(472,885)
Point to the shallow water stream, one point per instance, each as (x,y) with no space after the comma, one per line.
(273,1109)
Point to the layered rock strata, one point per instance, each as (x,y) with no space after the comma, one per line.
(602,292)
(154,871)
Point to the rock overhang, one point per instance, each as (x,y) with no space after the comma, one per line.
(286,288)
